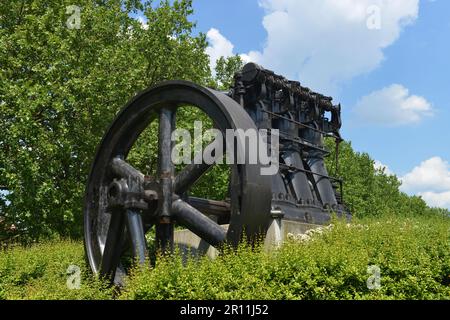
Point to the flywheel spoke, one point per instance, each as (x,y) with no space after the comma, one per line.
(191,173)
(165,166)
(123,169)
(188,176)
(137,235)
(198,223)
(164,229)
(111,256)
(164,236)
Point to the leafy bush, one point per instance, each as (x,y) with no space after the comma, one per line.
(412,254)
(41,272)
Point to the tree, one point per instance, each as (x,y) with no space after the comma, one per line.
(225,70)
(369,191)
(61,86)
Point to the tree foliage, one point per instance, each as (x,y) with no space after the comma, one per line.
(226,68)
(369,191)
(60,88)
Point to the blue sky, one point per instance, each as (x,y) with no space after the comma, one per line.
(387,62)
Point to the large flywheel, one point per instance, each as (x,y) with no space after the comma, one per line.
(122,204)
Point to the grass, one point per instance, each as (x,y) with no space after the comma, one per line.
(412,254)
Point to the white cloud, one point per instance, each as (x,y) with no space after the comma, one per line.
(439,200)
(431,180)
(431,175)
(324,43)
(378,165)
(219,47)
(393,106)
(222,47)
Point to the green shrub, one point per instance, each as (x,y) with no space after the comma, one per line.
(412,254)
(40,272)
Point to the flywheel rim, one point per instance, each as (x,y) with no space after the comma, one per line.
(253,214)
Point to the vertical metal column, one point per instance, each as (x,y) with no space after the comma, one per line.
(164,229)
(299,179)
(316,163)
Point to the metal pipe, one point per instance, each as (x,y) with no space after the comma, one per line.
(198,223)
(295,169)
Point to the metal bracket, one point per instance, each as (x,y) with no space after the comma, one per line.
(126,194)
